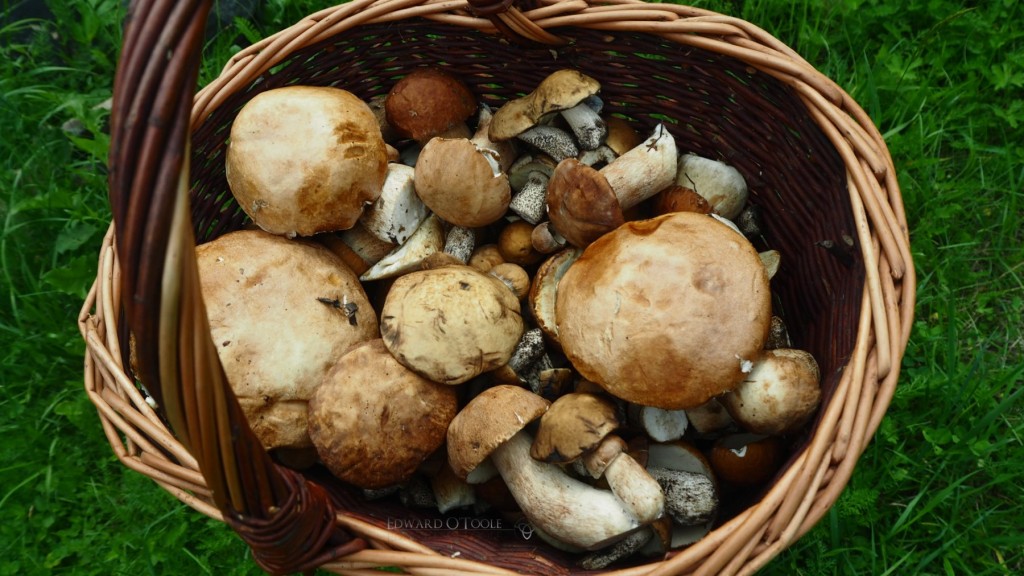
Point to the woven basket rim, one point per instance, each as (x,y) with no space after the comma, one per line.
(799,498)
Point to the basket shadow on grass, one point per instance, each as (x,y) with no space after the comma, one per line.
(714,105)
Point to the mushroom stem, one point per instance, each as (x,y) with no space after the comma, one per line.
(531,202)
(504,151)
(586,124)
(561,506)
(460,243)
(397,212)
(553,141)
(644,170)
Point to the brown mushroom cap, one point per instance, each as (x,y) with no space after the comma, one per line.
(279,316)
(305,159)
(373,421)
(428,102)
(746,459)
(461,183)
(663,312)
(451,324)
(574,424)
(581,203)
(488,421)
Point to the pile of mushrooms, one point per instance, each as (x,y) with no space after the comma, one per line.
(534,311)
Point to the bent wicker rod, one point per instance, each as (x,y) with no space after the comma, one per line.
(725,88)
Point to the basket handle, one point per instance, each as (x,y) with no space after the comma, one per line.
(512,23)
(288,522)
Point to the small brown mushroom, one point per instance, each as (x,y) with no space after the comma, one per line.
(515,242)
(361,416)
(584,203)
(569,511)
(746,459)
(721,184)
(779,395)
(560,90)
(429,102)
(575,423)
(461,183)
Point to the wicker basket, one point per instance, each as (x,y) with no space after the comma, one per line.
(814,161)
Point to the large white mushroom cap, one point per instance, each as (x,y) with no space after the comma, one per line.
(281,313)
(305,159)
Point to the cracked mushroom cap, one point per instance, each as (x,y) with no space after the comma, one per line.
(281,312)
(461,183)
(305,159)
(374,421)
(489,420)
(665,312)
(575,423)
(450,324)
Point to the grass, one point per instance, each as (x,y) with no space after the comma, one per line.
(937,491)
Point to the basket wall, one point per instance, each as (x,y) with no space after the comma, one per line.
(714,105)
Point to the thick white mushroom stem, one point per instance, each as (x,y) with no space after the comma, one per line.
(628,480)
(644,170)
(563,507)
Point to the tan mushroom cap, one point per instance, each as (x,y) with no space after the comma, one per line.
(560,90)
(428,102)
(781,393)
(281,312)
(575,423)
(373,421)
(488,421)
(450,324)
(461,183)
(665,312)
(305,159)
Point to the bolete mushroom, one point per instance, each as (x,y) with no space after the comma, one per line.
(281,312)
(584,203)
(452,323)
(719,183)
(305,159)
(429,102)
(575,423)
(665,312)
(560,90)
(373,421)
(779,395)
(461,182)
(492,426)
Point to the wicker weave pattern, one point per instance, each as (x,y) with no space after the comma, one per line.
(812,157)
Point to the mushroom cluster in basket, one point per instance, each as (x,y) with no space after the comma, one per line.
(534,311)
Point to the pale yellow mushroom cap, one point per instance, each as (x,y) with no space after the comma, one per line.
(305,159)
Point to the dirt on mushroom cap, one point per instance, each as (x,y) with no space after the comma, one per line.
(280,312)
(373,421)
(451,324)
(661,312)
